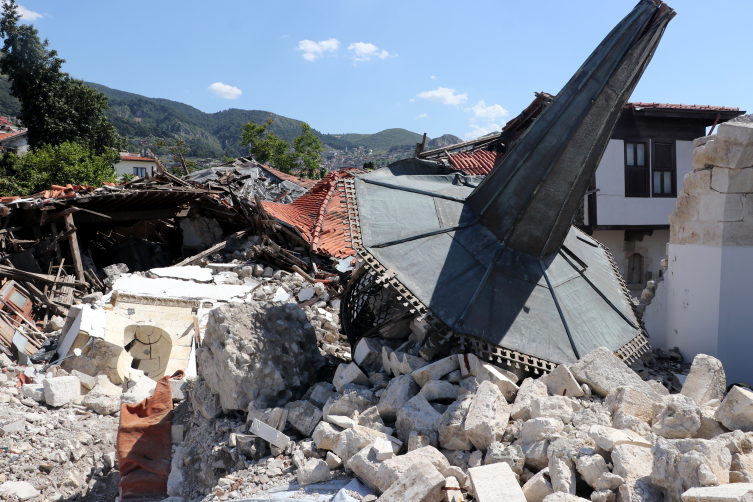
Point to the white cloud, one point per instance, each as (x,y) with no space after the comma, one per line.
(225,91)
(484,113)
(412,100)
(422,116)
(364,51)
(314,50)
(477,131)
(26,14)
(433,77)
(444,95)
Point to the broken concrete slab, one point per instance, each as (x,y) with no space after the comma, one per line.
(341,421)
(706,380)
(418,415)
(351,441)
(512,455)
(188,273)
(440,390)
(88,382)
(372,419)
(269,434)
(487,416)
(313,471)
(537,429)
(273,417)
(143,389)
(60,391)
(562,474)
(435,370)
(530,389)
(320,393)
(390,470)
(609,438)
(560,382)
(495,483)
(591,468)
(325,435)
(383,449)
(422,483)
(175,288)
(493,374)
(736,492)
(709,428)
(630,400)
(451,429)
(33,391)
(736,410)
(538,487)
(100,402)
(353,398)
(603,371)
(552,406)
(365,465)
(179,389)
(368,354)
(304,416)
(399,391)
(536,453)
(21,490)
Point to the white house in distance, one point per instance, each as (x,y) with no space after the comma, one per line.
(133,163)
(15,141)
(635,187)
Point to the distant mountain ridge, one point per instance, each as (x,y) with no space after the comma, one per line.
(215,134)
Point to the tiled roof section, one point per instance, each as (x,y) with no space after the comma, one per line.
(320,215)
(9,135)
(303,182)
(139,159)
(669,106)
(477,163)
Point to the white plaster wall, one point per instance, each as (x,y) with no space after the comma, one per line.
(693,292)
(653,248)
(616,209)
(126,166)
(735,346)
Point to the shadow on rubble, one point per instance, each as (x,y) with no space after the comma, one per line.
(104,489)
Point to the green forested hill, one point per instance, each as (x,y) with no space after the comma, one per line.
(209,134)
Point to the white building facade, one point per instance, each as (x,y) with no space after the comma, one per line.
(635,187)
(131,163)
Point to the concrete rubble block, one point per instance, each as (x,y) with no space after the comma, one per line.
(313,471)
(457,473)
(100,402)
(530,389)
(608,438)
(736,492)
(680,418)
(435,370)
(603,371)
(269,434)
(21,490)
(273,417)
(741,470)
(387,354)
(368,354)
(383,449)
(632,401)
(552,406)
(603,496)
(562,474)
(560,382)
(325,435)
(13,426)
(623,421)
(709,428)
(320,393)
(591,468)
(487,416)
(179,389)
(373,420)
(564,497)
(418,415)
(60,391)
(263,351)
(681,464)
(495,483)
(658,387)
(349,373)
(537,455)
(422,483)
(399,391)
(538,487)
(493,374)
(540,428)
(733,144)
(143,389)
(365,465)
(351,441)
(416,441)
(107,387)
(352,398)
(304,416)
(706,380)
(88,382)
(176,434)
(512,455)
(391,470)
(33,391)
(452,490)
(440,390)
(736,410)
(333,461)
(451,429)
(608,481)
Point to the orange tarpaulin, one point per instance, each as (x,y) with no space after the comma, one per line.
(143,448)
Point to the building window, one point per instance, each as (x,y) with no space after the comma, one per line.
(635,269)
(637,181)
(664,169)
(140,171)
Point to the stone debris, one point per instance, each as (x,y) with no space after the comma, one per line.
(495,483)
(736,410)
(706,380)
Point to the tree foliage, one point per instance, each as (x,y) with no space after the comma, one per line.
(179,152)
(54,107)
(50,165)
(303,158)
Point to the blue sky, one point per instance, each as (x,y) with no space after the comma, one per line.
(362,66)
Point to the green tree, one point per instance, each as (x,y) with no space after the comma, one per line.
(51,165)
(54,107)
(303,158)
(178,151)
(369,165)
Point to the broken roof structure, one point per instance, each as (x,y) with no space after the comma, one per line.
(496,262)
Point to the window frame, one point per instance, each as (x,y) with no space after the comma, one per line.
(647,165)
(673,169)
(137,171)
